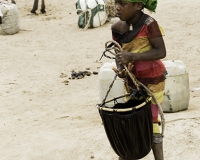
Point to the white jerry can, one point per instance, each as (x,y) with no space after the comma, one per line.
(176,95)
(106,76)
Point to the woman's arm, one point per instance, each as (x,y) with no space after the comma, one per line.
(158,52)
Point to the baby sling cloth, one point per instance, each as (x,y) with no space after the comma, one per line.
(128,126)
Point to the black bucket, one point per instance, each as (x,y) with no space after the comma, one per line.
(130,133)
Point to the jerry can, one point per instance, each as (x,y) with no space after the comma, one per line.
(176,94)
(106,76)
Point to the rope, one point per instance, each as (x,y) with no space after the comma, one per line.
(103,102)
(135,81)
(116,46)
(84,12)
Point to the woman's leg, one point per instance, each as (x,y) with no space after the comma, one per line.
(158,151)
(157,147)
(12,1)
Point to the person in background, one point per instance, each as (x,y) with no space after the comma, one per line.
(0,17)
(35,7)
(12,1)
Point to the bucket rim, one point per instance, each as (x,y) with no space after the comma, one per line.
(148,99)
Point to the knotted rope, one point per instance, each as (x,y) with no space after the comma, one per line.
(84,13)
(113,45)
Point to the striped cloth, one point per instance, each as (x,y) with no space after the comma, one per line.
(151,73)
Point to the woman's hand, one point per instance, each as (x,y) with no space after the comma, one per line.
(124,57)
(123,73)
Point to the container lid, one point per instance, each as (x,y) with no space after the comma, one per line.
(106,72)
(175,67)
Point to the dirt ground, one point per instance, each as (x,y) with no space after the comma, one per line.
(44,117)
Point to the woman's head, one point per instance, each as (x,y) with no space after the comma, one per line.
(130,10)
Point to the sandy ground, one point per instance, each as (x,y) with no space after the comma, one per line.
(42,118)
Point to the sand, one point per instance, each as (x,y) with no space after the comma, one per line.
(44,117)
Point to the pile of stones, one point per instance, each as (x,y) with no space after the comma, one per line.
(77,75)
(81,74)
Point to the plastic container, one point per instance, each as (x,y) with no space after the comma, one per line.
(176,94)
(106,76)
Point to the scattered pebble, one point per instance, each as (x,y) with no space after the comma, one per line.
(92,157)
(77,75)
(66,82)
(63,75)
(95,73)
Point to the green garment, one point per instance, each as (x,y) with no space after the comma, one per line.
(148,4)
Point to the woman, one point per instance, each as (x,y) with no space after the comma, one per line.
(142,48)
